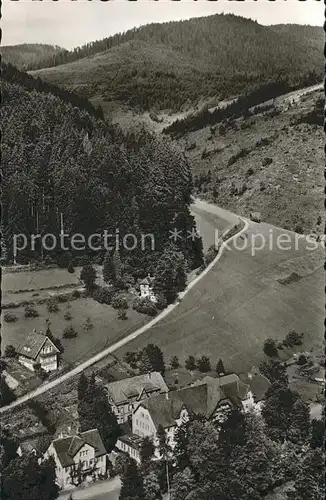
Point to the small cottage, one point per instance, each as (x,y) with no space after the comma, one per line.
(146,289)
(38,349)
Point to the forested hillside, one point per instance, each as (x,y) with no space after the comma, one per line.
(58,158)
(177,64)
(27,55)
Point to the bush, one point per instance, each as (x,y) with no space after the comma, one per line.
(67,316)
(75,294)
(174,362)
(10,351)
(88,324)
(103,295)
(63,297)
(210,255)
(48,260)
(144,306)
(267,161)
(69,332)
(302,360)
(40,372)
(293,339)
(204,364)
(9,317)
(52,306)
(31,312)
(270,348)
(130,357)
(190,363)
(119,302)
(71,269)
(161,302)
(122,314)
(250,171)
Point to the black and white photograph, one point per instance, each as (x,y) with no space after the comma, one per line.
(162,250)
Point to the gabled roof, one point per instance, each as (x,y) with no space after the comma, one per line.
(166,410)
(124,390)
(31,347)
(227,387)
(258,383)
(147,281)
(67,448)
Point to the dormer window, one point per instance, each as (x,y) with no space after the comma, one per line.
(26,348)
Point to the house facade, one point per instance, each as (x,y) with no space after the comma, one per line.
(79,458)
(38,349)
(125,395)
(146,289)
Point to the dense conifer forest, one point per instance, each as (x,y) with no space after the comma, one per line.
(175,65)
(59,158)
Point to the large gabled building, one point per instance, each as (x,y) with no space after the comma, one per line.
(78,457)
(125,395)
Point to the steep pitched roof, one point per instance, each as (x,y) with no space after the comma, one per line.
(226,387)
(165,409)
(122,391)
(93,438)
(31,347)
(258,383)
(67,448)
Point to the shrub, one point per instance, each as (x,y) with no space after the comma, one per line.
(161,302)
(75,294)
(293,339)
(270,348)
(119,301)
(71,269)
(262,186)
(63,297)
(210,255)
(204,364)
(174,362)
(190,363)
(88,323)
(9,317)
(40,372)
(250,171)
(10,351)
(302,360)
(69,332)
(103,295)
(144,306)
(67,316)
(267,161)
(122,314)
(52,306)
(48,260)
(31,312)
(88,276)
(130,357)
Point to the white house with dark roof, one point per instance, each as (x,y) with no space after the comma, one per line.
(146,289)
(38,349)
(125,395)
(82,455)
(258,386)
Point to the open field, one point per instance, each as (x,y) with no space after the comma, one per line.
(106,330)
(240,303)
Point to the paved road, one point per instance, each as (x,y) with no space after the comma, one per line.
(103,490)
(80,368)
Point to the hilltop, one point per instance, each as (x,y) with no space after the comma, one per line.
(177,65)
(26,55)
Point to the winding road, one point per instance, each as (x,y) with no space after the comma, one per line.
(227,220)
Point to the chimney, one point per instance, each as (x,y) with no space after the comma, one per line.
(250,375)
(149,374)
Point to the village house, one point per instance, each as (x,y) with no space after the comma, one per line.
(38,349)
(208,397)
(146,289)
(78,458)
(258,386)
(125,395)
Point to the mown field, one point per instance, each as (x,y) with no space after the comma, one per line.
(240,303)
(106,327)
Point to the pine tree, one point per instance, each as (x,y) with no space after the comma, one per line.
(151,359)
(7,396)
(220,370)
(109,274)
(132,484)
(146,451)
